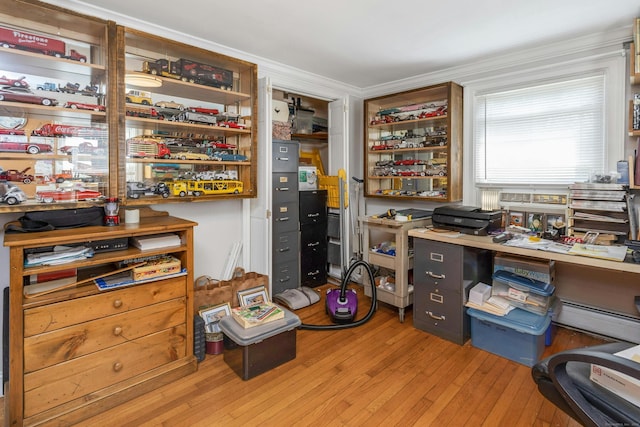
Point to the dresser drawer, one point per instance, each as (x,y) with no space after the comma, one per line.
(78,378)
(68,343)
(60,315)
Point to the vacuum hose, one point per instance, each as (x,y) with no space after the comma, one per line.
(343,290)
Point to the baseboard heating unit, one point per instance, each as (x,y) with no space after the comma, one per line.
(614,325)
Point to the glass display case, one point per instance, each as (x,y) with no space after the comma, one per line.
(189,115)
(413,144)
(54,132)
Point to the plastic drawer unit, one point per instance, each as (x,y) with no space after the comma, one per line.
(253,351)
(443,275)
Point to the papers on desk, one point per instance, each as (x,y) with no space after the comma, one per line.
(613,253)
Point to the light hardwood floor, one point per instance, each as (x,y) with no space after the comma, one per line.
(383,373)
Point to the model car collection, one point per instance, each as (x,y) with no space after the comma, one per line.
(409,112)
(73,139)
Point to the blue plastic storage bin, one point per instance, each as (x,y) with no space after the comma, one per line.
(518,336)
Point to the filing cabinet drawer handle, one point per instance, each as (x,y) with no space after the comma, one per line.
(313,273)
(117,367)
(117,303)
(282,188)
(284,159)
(312,244)
(286,279)
(284,218)
(435,276)
(117,331)
(287,249)
(433,316)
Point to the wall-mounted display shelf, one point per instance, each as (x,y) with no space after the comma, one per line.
(189,118)
(55,141)
(413,144)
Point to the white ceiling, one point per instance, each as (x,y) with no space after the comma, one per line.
(368,42)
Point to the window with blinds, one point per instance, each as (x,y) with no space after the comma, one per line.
(549,133)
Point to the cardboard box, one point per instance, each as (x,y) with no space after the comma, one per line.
(518,336)
(307,178)
(253,351)
(544,271)
(621,384)
(479,293)
(157,267)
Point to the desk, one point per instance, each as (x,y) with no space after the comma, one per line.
(597,295)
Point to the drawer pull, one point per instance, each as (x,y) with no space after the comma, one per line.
(117,303)
(435,276)
(287,249)
(117,331)
(282,159)
(433,316)
(286,279)
(282,188)
(284,218)
(117,367)
(312,244)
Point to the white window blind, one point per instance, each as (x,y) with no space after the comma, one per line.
(551,133)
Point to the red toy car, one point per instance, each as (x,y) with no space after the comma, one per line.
(21,94)
(28,147)
(232,125)
(61,195)
(222,145)
(84,106)
(202,110)
(16,175)
(11,132)
(21,82)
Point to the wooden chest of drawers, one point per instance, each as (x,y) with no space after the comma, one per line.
(75,352)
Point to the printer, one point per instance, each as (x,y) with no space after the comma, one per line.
(467,219)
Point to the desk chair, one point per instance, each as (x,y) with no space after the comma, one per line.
(563,379)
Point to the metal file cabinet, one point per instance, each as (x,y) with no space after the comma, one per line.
(443,275)
(285,216)
(313,238)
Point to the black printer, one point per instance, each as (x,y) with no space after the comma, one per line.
(467,219)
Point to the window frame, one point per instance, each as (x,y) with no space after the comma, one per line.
(612,64)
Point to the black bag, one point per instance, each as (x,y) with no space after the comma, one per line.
(57,219)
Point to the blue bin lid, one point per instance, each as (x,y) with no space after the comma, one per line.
(517,319)
(523,283)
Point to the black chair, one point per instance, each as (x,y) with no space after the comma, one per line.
(563,379)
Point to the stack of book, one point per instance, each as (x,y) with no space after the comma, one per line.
(46,281)
(257,314)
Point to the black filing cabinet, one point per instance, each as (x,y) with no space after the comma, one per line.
(443,275)
(313,238)
(285,214)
